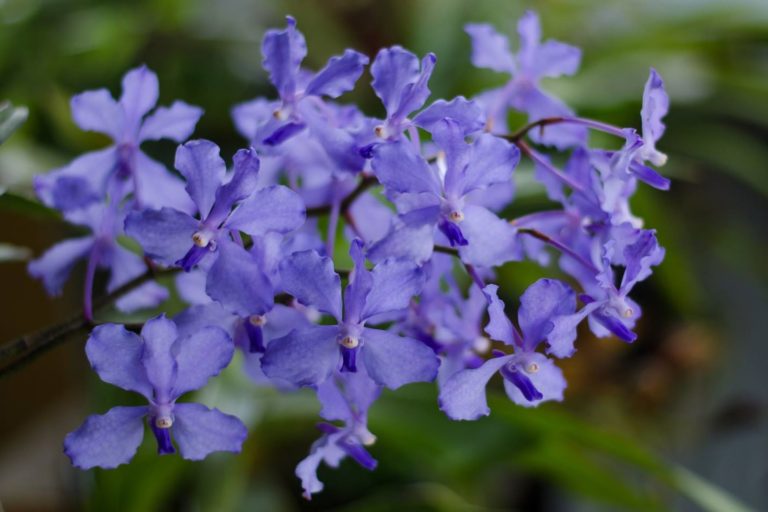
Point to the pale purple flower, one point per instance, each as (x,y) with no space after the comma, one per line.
(533,61)
(283,52)
(432,196)
(346,397)
(162,367)
(122,166)
(100,250)
(530,378)
(307,357)
(608,307)
(173,237)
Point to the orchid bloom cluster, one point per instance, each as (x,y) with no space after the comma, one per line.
(417,197)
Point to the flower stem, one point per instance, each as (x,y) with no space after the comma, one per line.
(20,351)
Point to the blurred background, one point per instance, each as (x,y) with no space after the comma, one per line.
(676,421)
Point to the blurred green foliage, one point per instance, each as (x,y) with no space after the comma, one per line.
(703,306)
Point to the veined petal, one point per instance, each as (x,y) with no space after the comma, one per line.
(492,241)
(489,48)
(276,208)
(466,113)
(97,111)
(640,256)
(563,334)
(394,361)
(322,290)
(499,326)
(392,70)
(115,355)
(106,440)
(159,335)
(359,286)
(200,431)
(462,397)
(158,188)
(237,281)
(400,169)
(176,122)
(415,94)
(338,76)
(493,160)
(543,301)
(140,92)
(200,356)
(149,295)
(243,182)
(92,168)
(554,59)
(54,266)
(393,285)
(414,243)
(165,235)
(283,51)
(199,162)
(303,357)
(655,107)
(123,266)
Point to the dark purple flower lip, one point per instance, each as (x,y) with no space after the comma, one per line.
(161,428)
(453,232)
(512,373)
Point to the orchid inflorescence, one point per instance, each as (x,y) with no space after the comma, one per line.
(417,192)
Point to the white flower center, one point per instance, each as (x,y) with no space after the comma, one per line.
(456,216)
(164,422)
(349,342)
(201,239)
(532,367)
(257,320)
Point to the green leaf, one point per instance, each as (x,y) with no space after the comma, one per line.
(706,495)
(10,119)
(19,204)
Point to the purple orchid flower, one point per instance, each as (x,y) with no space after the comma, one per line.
(307,357)
(608,307)
(530,378)
(430,196)
(101,250)
(162,367)
(88,177)
(346,396)
(173,237)
(446,321)
(402,84)
(278,322)
(533,61)
(283,52)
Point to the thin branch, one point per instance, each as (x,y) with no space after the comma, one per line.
(544,164)
(558,245)
(17,352)
(365,183)
(540,124)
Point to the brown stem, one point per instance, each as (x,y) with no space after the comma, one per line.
(17,352)
(541,123)
(365,183)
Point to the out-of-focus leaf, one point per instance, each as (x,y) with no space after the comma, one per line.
(10,119)
(16,203)
(734,151)
(579,471)
(706,495)
(10,252)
